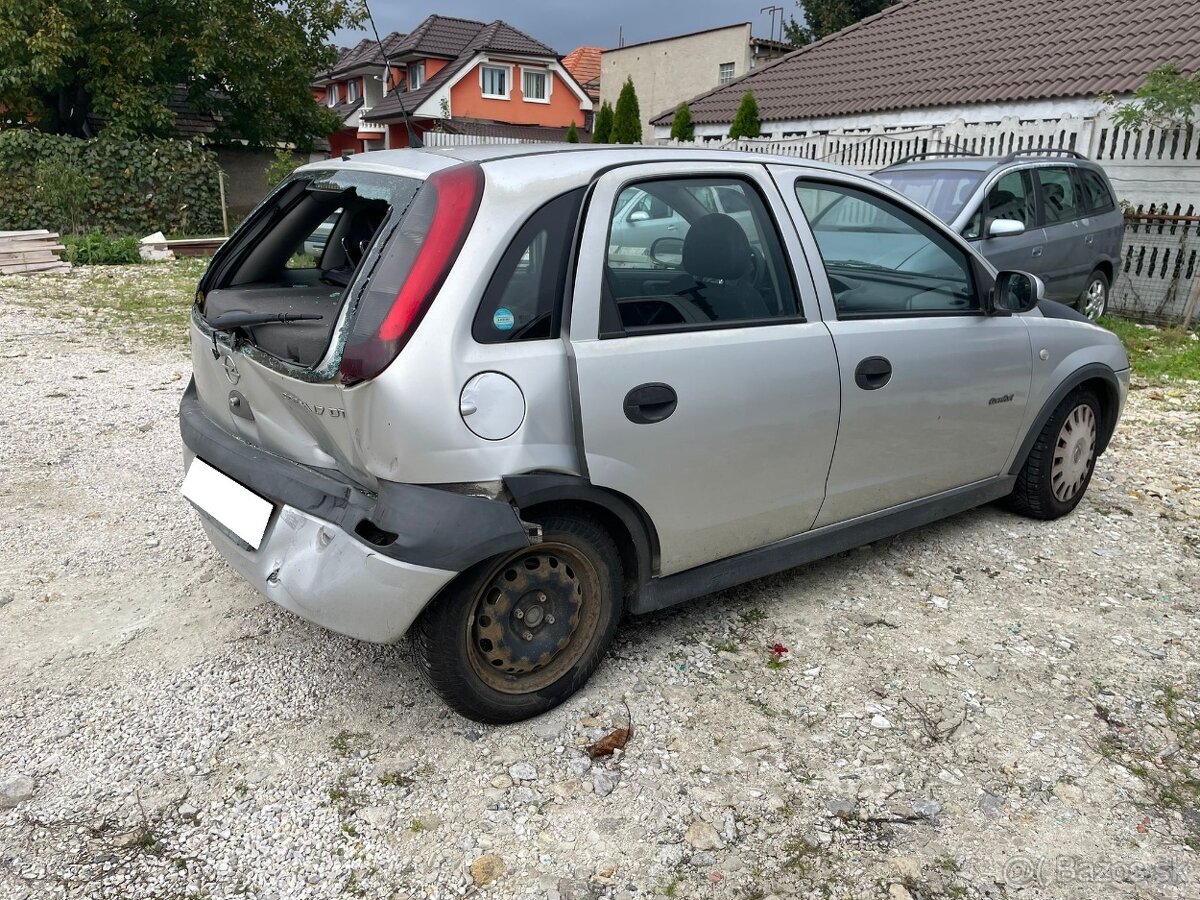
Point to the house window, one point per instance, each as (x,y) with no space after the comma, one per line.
(535,85)
(351,91)
(725,73)
(494,81)
(331,95)
(416,75)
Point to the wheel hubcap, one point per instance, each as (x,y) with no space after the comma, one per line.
(533,618)
(1097,299)
(1074,453)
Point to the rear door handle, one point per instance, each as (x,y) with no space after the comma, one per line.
(873,373)
(650,403)
(1037,251)
(1090,239)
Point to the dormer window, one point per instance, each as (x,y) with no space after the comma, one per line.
(351,91)
(535,85)
(416,75)
(331,95)
(494,81)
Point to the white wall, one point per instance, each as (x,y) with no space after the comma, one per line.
(667,72)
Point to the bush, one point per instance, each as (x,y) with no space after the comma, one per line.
(113,186)
(96,249)
(745,122)
(682,127)
(602,129)
(627,117)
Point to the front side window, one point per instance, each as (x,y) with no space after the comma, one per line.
(1011,198)
(1059,202)
(725,73)
(416,75)
(494,81)
(534,85)
(524,299)
(675,264)
(883,260)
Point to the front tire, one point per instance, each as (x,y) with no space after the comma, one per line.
(520,633)
(1059,468)
(1094,302)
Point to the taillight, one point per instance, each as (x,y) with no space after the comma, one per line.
(415,263)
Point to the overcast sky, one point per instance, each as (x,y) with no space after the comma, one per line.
(597,23)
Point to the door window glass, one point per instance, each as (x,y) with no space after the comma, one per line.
(1059,202)
(690,266)
(883,260)
(1011,199)
(1097,196)
(523,301)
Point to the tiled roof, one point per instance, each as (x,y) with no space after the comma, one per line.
(584,64)
(499,37)
(535,133)
(364,53)
(440,36)
(922,53)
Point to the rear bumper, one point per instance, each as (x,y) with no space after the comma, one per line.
(319,561)
(320,573)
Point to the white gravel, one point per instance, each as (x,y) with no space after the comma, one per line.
(988,707)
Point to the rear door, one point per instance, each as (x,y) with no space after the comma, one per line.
(1066,266)
(707,386)
(933,391)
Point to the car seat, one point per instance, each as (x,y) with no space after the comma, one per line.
(720,268)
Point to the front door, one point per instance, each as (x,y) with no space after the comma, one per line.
(704,391)
(1011,198)
(933,391)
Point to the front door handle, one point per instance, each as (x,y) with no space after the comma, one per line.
(650,403)
(1037,251)
(873,373)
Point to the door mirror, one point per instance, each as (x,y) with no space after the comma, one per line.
(999,228)
(1016,292)
(667,252)
(639,215)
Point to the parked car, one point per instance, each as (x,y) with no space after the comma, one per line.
(493,436)
(1049,212)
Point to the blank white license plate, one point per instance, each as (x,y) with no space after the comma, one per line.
(239,509)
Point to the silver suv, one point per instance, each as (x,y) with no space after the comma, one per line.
(1049,212)
(473,422)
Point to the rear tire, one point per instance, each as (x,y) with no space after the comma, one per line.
(518,634)
(1058,470)
(1094,302)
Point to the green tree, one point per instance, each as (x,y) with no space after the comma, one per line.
(823,17)
(682,127)
(249,62)
(745,121)
(627,117)
(1167,99)
(602,129)
(572,134)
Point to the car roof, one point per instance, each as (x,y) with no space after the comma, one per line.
(427,160)
(985,163)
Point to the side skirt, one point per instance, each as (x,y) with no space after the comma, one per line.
(670,590)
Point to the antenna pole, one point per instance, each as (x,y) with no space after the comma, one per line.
(414,140)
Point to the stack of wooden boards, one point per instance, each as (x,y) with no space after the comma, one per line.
(23,252)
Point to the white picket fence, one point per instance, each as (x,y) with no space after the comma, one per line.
(1154,170)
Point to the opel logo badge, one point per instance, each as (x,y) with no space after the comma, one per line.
(231,371)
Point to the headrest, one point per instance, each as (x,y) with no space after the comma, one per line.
(716,247)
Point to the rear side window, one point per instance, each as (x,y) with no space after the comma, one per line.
(1059,200)
(524,299)
(1097,197)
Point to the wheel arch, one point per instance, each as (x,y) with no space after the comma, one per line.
(1103,382)
(628,524)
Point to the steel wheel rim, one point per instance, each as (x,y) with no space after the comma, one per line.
(1074,453)
(1097,299)
(533,618)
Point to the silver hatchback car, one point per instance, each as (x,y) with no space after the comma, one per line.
(473,421)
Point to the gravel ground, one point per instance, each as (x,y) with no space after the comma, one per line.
(988,707)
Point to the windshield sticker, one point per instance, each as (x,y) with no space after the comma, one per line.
(503,319)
